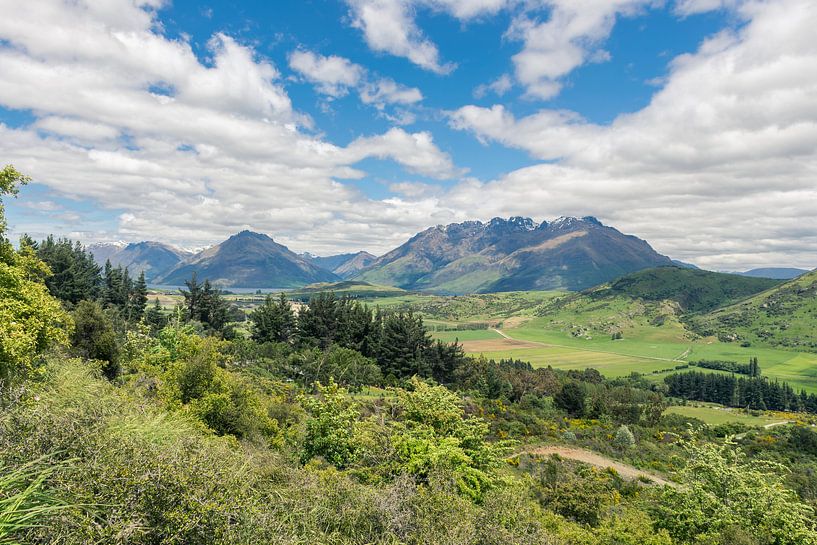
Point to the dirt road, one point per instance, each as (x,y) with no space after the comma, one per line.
(627,472)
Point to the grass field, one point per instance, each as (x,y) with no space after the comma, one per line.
(715,415)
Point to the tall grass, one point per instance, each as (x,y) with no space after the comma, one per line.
(25,502)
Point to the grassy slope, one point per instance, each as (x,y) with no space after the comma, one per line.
(785,316)
(694,290)
(573,331)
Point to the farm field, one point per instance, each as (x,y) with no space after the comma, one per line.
(715,415)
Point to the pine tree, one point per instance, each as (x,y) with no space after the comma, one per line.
(138,298)
(273,321)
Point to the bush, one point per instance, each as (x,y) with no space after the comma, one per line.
(624,438)
(94,337)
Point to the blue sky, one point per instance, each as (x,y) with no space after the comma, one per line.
(689,123)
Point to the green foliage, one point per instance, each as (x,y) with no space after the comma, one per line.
(25,501)
(436,436)
(273,321)
(722,490)
(74,273)
(205,304)
(624,438)
(94,337)
(572,398)
(695,290)
(330,428)
(31,320)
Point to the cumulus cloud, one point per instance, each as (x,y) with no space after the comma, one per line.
(386,91)
(185,150)
(334,75)
(718,168)
(570,37)
(388,26)
(499,87)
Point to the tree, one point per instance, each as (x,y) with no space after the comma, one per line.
(273,321)
(138,298)
(75,275)
(154,317)
(572,399)
(723,490)
(94,337)
(30,318)
(624,438)
(330,429)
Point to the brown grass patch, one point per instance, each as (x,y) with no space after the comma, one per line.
(496,345)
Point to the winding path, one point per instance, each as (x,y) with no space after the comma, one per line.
(626,471)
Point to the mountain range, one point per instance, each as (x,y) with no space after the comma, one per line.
(513,254)
(248,260)
(778,273)
(152,258)
(343,265)
(469,257)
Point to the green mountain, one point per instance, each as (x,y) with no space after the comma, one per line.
(784,316)
(695,290)
(511,255)
(248,260)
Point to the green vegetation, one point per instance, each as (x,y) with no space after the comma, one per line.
(693,289)
(339,423)
(347,288)
(781,317)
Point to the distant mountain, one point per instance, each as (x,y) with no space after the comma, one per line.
(102,251)
(694,290)
(343,265)
(779,273)
(248,260)
(684,265)
(513,254)
(154,258)
(782,317)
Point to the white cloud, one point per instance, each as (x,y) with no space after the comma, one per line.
(334,75)
(499,87)
(719,168)
(183,150)
(385,91)
(569,38)
(388,26)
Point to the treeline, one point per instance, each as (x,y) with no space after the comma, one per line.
(752,392)
(751,369)
(76,277)
(398,342)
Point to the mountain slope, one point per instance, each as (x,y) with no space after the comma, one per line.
(513,254)
(249,260)
(783,316)
(694,290)
(344,265)
(152,258)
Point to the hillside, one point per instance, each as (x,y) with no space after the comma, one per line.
(511,255)
(248,260)
(343,265)
(783,316)
(695,290)
(346,288)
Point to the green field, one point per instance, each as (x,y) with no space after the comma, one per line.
(572,331)
(715,415)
